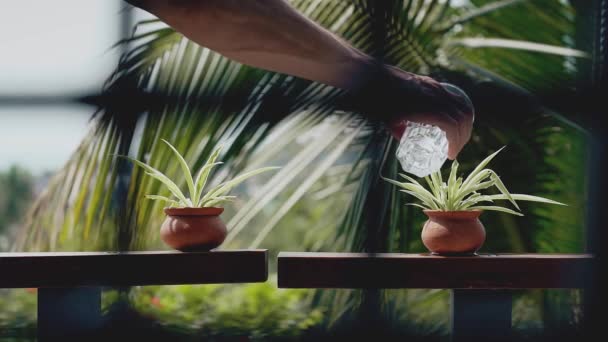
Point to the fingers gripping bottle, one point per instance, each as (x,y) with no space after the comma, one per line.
(424,148)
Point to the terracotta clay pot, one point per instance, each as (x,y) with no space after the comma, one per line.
(193,229)
(453,232)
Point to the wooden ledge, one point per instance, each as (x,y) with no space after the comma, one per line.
(18,270)
(424,271)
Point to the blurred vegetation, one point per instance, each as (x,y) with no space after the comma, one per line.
(17,186)
(17,315)
(328,196)
(258,311)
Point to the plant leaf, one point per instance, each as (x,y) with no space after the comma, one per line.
(415,189)
(481,11)
(154,173)
(418,205)
(434,190)
(162,198)
(522,197)
(518,45)
(472,184)
(499,184)
(432,198)
(185,169)
(481,166)
(452,179)
(215,200)
(482,185)
(227,186)
(409,179)
(496,208)
(472,200)
(204,172)
(436,180)
(201,179)
(425,199)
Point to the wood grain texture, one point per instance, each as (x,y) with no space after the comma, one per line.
(394,270)
(18,270)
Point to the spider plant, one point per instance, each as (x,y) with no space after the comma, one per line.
(458,194)
(196,183)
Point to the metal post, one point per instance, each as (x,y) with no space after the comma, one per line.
(483,315)
(68,312)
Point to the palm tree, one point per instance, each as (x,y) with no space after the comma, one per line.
(513,57)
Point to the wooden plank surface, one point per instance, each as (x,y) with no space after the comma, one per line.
(394,270)
(131,268)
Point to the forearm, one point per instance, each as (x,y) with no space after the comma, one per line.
(272,35)
(268,34)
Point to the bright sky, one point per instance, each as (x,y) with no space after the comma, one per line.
(52,48)
(41,138)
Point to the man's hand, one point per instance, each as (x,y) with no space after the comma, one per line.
(437,106)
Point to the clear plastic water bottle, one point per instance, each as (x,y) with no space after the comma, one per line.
(424,148)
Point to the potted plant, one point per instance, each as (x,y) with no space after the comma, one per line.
(193,222)
(453,207)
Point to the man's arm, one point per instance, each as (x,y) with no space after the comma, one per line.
(272,35)
(268,34)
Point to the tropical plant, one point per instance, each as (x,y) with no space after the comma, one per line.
(196,184)
(462,195)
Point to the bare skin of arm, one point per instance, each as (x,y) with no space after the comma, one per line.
(272,35)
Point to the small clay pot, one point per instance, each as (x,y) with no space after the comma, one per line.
(453,232)
(193,229)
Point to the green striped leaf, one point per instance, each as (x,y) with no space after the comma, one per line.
(185,170)
(154,173)
(163,199)
(496,208)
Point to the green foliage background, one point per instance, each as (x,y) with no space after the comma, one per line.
(328,196)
